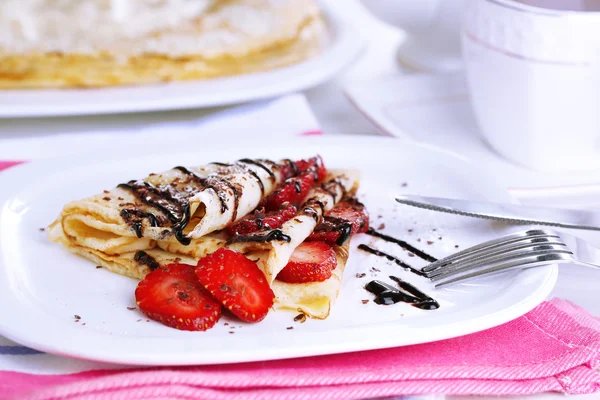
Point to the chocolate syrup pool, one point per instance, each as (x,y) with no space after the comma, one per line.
(405,292)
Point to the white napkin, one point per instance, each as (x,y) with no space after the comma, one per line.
(288,116)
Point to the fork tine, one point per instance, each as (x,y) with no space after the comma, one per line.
(497,249)
(523,263)
(461,268)
(483,247)
(507,251)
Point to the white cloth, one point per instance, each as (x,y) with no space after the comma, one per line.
(275,119)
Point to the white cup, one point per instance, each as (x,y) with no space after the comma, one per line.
(534,80)
(432,27)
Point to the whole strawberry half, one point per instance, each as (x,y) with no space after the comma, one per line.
(173,296)
(237,283)
(310,262)
(260,219)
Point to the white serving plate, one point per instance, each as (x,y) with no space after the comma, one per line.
(344,47)
(46,286)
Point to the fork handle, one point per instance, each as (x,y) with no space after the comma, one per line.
(586,264)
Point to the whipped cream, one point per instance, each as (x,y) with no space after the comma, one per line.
(87,26)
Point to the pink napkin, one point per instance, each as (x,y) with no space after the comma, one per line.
(555,347)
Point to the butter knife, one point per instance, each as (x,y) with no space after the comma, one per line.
(510,213)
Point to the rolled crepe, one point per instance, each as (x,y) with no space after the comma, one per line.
(173,210)
(281,243)
(128,230)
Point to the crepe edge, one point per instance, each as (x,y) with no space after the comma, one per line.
(300,296)
(103,70)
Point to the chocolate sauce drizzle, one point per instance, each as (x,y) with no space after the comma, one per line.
(425,303)
(155,197)
(258,180)
(334,224)
(260,165)
(340,225)
(293,166)
(203,183)
(178,211)
(146,259)
(330,192)
(401,263)
(272,235)
(309,209)
(402,244)
(387,294)
(175,206)
(135,217)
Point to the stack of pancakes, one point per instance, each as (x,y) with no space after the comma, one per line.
(95,43)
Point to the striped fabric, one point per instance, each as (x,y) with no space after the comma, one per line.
(555,347)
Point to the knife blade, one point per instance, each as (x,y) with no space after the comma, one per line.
(511,213)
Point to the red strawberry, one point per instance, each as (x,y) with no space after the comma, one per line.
(305,165)
(294,190)
(291,168)
(237,283)
(359,218)
(347,218)
(310,262)
(259,220)
(173,296)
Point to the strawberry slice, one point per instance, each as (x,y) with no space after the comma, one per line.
(173,296)
(310,262)
(237,283)
(347,218)
(294,190)
(314,162)
(359,218)
(261,219)
(291,168)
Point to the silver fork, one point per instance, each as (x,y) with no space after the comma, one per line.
(532,248)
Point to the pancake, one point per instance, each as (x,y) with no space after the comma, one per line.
(216,38)
(137,227)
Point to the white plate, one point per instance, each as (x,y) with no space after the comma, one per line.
(46,286)
(345,46)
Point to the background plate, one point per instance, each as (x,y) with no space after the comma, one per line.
(46,286)
(344,48)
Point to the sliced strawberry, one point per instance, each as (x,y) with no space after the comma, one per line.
(347,218)
(261,219)
(310,262)
(294,190)
(305,165)
(237,283)
(291,168)
(359,217)
(173,296)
